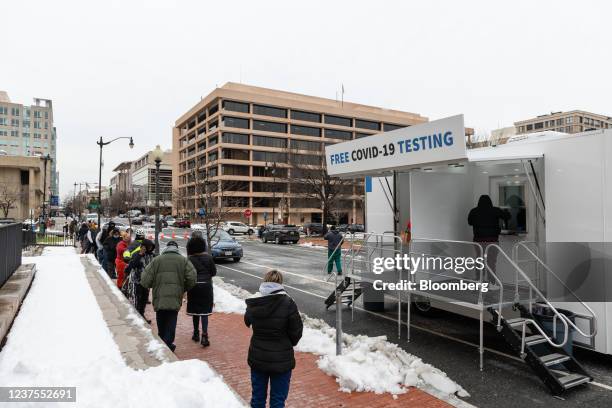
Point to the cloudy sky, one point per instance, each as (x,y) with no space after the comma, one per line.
(130,68)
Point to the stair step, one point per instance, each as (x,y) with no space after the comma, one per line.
(554,358)
(515,322)
(572,380)
(536,339)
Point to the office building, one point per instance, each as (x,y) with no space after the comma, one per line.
(22,185)
(242,136)
(29,131)
(143,182)
(574,121)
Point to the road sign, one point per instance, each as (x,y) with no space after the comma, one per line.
(248,213)
(201,212)
(54,200)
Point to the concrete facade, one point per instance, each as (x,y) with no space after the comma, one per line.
(22,181)
(238,133)
(574,121)
(29,131)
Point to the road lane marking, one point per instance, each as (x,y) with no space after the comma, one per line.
(289,273)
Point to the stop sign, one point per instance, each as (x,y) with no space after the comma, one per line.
(248,213)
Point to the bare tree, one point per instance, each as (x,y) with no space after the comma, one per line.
(310,179)
(179,200)
(8,197)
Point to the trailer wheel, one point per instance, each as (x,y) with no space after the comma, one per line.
(422,306)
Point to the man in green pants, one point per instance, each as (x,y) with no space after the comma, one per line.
(334,250)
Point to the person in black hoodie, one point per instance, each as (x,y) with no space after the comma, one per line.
(200,297)
(110,251)
(277,328)
(484,219)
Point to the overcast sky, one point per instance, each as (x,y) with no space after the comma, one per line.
(131,68)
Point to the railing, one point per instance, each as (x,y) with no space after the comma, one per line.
(11,244)
(593,315)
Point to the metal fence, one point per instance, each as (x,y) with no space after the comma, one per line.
(10,250)
(47,237)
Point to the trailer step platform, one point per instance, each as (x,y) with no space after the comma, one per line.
(558,370)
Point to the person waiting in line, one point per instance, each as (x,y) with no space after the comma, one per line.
(200,298)
(277,328)
(82,237)
(485,221)
(138,255)
(334,250)
(110,251)
(170,275)
(120,264)
(100,249)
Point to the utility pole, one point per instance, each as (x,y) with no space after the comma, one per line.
(44,213)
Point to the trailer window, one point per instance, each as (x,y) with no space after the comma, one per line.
(512,199)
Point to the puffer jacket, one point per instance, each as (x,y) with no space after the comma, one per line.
(170,275)
(277,328)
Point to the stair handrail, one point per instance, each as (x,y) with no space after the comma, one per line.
(587,307)
(537,291)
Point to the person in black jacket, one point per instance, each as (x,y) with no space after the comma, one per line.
(110,251)
(200,298)
(277,328)
(484,219)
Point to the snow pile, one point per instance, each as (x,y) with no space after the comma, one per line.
(225,302)
(372,363)
(59,338)
(367,363)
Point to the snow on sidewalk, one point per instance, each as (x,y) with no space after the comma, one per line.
(59,338)
(366,364)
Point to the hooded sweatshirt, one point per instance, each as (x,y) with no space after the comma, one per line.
(277,328)
(334,238)
(484,219)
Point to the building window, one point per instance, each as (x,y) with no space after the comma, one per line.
(367,124)
(269,126)
(338,134)
(213,109)
(390,126)
(235,154)
(270,157)
(305,145)
(15,111)
(559,122)
(236,106)
(212,156)
(229,121)
(267,172)
(269,111)
(308,159)
(269,141)
(236,138)
(234,170)
(15,122)
(359,135)
(305,130)
(3,121)
(538,125)
(569,120)
(213,141)
(338,120)
(529,127)
(306,116)
(3,110)
(14,133)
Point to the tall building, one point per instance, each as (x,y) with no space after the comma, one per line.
(122,180)
(240,135)
(574,121)
(143,182)
(29,131)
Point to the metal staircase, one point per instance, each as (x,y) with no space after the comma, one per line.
(350,290)
(558,370)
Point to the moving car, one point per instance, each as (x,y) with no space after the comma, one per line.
(182,223)
(313,228)
(233,227)
(223,245)
(280,233)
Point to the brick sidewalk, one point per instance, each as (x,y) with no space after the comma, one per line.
(310,387)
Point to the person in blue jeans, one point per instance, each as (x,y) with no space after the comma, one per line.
(277,328)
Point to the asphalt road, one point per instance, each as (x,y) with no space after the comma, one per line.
(447,341)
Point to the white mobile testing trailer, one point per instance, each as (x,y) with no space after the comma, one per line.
(554,254)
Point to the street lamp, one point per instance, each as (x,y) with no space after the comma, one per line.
(273,191)
(158,155)
(44,215)
(102,143)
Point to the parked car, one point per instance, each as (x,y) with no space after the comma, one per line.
(313,228)
(280,233)
(170,220)
(234,227)
(91,217)
(119,225)
(356,228)
(182,223)
(137,220)
(162,223)
(223,245)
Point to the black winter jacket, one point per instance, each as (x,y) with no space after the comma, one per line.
(110,248)
(334,238)
(277,328)
(485,218)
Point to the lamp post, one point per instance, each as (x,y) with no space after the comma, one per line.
(273,191)
(157,157)
(44,215)
(102,143)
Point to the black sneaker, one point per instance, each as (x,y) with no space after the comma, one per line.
(196,336)
(204,342)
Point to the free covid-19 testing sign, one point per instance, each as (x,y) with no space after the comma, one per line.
(433,142)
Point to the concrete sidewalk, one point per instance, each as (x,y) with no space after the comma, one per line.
(310,387)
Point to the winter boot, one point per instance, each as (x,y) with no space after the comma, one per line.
(196,336)
(205,342)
